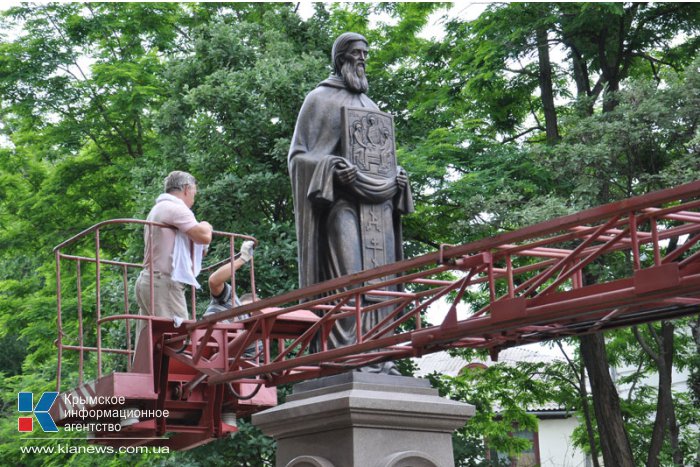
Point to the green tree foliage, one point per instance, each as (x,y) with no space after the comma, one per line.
(78,83)
(228,118)
(99,101)
(629,126)
(500,408)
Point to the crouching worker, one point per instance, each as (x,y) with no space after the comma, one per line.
(224,299)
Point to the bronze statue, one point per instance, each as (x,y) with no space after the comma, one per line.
(348,191)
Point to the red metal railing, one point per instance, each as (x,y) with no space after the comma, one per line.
(124,317)
(534,278)
(534,284)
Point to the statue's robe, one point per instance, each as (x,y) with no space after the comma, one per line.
(327,213)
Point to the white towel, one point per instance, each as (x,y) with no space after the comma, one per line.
(182,261)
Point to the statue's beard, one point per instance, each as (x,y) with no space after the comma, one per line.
(355,77)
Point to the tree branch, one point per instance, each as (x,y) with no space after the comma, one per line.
(523,133)
(657,338)
(634,383)
(654,61)
(646,347)
(571,364)
(522,72)
(96,97)
(106,37)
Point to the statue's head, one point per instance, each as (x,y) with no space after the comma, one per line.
(349,54)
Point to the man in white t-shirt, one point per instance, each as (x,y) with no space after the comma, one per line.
(172,208)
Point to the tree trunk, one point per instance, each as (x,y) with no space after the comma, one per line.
(546,87)
(584,103)
(674,434)
(695,365)
(583,392)
(667,339)
(614,442)
(665,413)
(694,379)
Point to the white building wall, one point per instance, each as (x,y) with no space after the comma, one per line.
(556,447)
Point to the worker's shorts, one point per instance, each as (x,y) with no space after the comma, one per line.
(168,297)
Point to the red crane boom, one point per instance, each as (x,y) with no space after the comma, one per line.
(532,283)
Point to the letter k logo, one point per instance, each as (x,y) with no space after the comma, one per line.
(25,403)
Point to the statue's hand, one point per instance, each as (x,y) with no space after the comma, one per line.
(346,175)
(402,179)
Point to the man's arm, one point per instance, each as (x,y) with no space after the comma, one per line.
(201,233)
(223,274)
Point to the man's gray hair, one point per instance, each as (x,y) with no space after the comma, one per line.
(177,180)
(340,46)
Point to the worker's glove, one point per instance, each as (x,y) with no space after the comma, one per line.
(247,250)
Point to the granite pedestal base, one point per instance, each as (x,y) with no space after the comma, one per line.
(364,420)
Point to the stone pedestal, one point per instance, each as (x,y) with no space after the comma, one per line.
(364,420)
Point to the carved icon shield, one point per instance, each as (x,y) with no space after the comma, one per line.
(368,141)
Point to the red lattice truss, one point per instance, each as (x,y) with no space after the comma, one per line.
(535,284)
